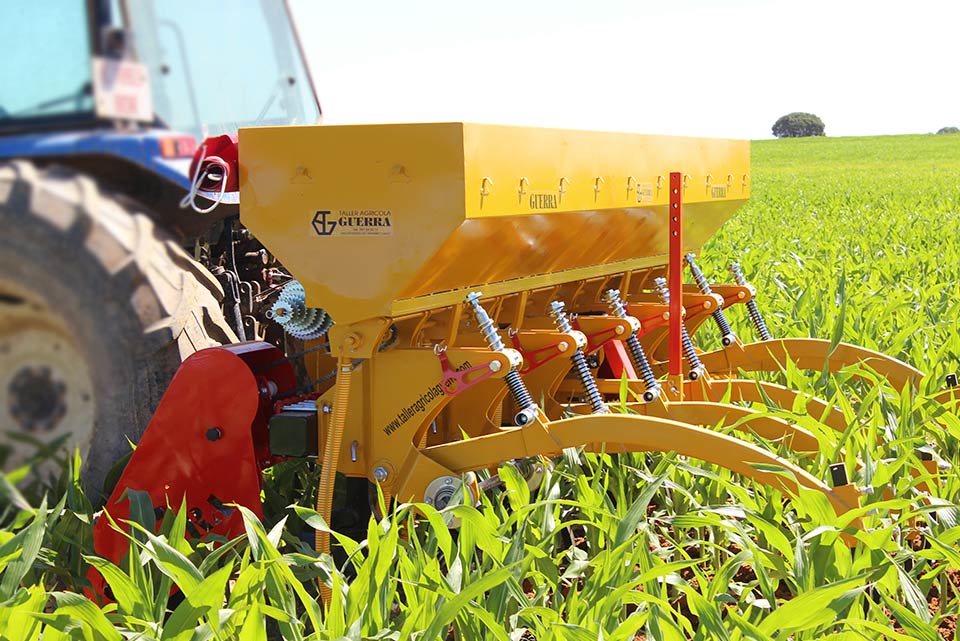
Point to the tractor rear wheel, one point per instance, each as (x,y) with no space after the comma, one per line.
(98,307)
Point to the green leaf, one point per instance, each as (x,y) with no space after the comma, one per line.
(126,593)
(254,625)
(910,622)
(93,620)
(812,609)
(638,511)
(28,541)
(170,561)
(449,610)
(204,601)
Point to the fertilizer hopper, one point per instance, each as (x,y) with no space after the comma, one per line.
(388,220)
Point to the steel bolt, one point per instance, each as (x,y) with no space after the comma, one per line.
(214,434)
(495,366)
(380,474)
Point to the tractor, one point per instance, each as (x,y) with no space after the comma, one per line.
(107,281)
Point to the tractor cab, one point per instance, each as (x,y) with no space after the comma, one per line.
(114,73)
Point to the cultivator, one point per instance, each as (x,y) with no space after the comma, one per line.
(493,291)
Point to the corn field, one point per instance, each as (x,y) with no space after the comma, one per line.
(851,239)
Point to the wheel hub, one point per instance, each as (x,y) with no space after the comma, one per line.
(46,391)
(37,399)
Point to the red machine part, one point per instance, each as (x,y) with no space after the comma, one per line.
(676,273)
(218,161)
(532,359)
(207,444)
(615,356)
(456,381)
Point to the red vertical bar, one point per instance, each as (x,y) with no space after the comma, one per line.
(675,276)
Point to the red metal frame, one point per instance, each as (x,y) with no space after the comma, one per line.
(532,359)
(616,356)
(206,445)
(647,325)
(456,381)
(675,277)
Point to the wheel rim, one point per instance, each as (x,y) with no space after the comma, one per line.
(46,390)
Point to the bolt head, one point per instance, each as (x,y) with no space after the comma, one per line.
(495,366)
(562,346)
(380,474)
(428,501)
(619,329)
(214,434)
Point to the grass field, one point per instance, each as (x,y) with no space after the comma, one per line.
(849,237)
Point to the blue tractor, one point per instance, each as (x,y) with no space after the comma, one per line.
(106,281)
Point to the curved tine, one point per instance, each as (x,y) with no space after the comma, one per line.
(809,354)
(615,434)
(753,391)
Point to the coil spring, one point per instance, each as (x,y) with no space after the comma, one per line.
(580,367)
(726,333)
(637,355)
(518,390)
(696,367)
(752,309)
(485,323)
(527,408)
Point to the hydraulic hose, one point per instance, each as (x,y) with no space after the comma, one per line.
(331,456)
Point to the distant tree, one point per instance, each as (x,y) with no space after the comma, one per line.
(949,130)
(798,125)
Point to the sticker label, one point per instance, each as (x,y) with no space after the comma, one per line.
(644,193)
(121,90)
(353,222)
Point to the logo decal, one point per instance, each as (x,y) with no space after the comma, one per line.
(353,222)
(322,225)
(544,200)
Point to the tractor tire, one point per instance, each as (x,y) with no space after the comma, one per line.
(98,307)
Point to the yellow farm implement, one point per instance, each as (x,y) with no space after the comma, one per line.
(472,295)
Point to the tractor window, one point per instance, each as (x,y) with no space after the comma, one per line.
(45,67)
(217,66)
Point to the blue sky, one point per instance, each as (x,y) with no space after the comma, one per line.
(725,69)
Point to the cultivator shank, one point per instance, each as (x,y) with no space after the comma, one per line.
(492,290)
